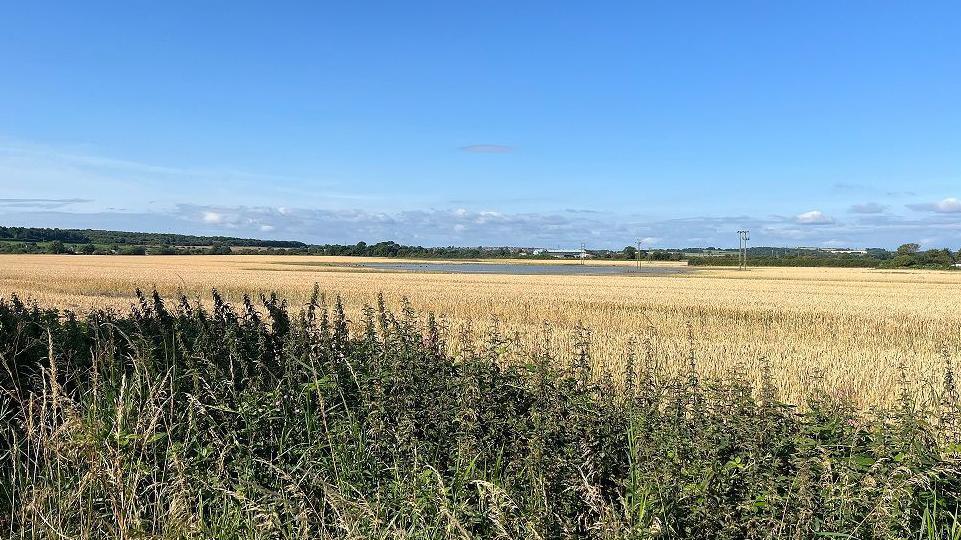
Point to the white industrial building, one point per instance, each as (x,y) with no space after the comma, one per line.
(567,253)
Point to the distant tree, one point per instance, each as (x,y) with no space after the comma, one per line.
(56,247)
(938,257)
(629,252)
(88,249)
(908,249)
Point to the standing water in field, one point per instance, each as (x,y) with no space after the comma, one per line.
(523,269)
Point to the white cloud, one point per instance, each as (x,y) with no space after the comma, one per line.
(442,227)
(950,205)
(814,217)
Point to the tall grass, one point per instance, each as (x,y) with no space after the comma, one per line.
(258,421)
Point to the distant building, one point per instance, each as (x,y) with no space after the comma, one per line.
(567,253)
(845,251)
(838,251)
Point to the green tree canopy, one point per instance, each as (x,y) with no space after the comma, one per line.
(908,249)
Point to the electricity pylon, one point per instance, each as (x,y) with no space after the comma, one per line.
(743,237)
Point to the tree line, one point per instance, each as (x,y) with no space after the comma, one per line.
(95,236)
(102,242)
(906,256)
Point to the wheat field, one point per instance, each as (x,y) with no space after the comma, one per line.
(849,331)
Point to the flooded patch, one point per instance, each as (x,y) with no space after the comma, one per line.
(524,269)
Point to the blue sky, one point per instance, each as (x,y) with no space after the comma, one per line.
(521,123)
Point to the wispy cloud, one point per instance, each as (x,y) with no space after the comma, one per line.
(41,203)
(867,208)
(38,176)
(488,148)
(851,187)
(950,205)
(100,162)
(866,190)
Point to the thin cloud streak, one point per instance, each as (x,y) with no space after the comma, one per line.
(487,148)
(40,203)
(868,208)
(102,162)
(36,172)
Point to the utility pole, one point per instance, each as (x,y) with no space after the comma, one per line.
(583,253)
(637,254)
(743,237)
